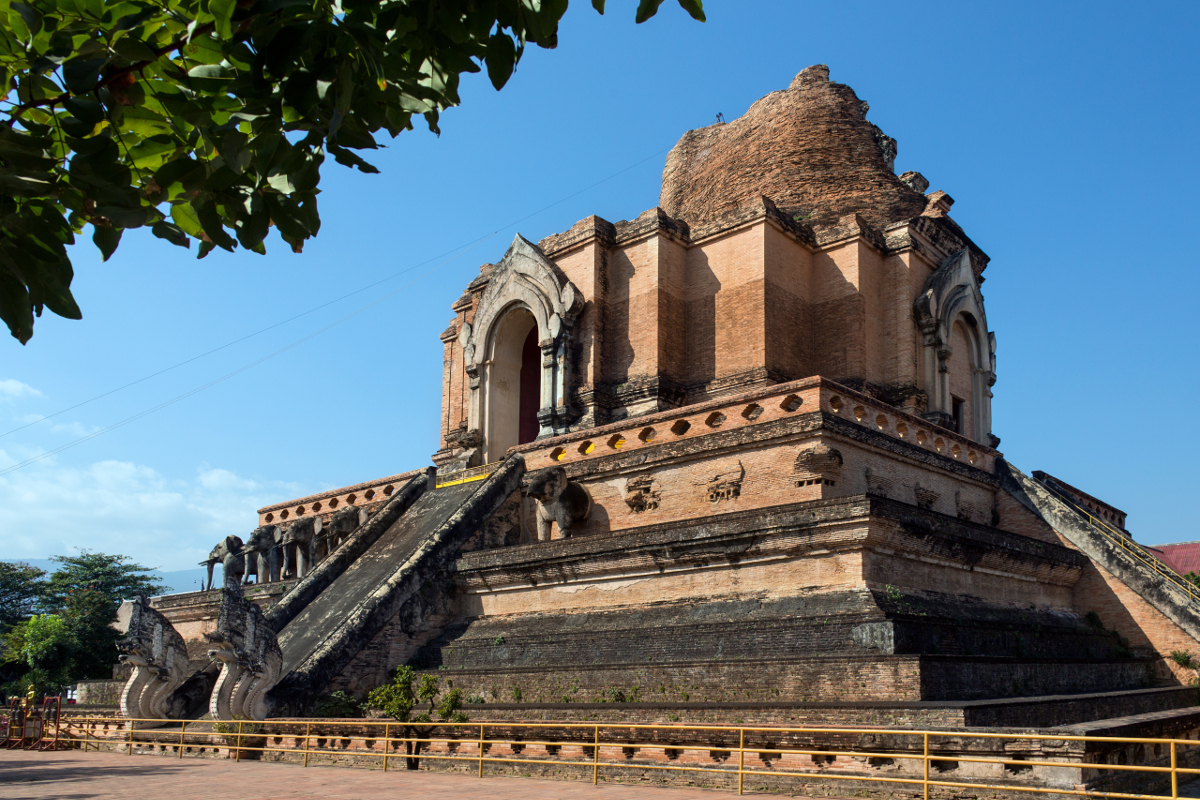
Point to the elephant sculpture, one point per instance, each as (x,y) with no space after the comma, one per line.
(559,500)
(299,542)
(343,523)
(262,554)
(227,553)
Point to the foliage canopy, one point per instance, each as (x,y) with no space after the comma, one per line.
(74,640)
(210,119)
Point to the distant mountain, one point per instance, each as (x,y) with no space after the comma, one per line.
(178,581)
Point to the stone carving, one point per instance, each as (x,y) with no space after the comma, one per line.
(641,494)
(925,497)
(158,655)
(221,554)
(343,523)
(523,278)
(965,510)
(299,546)
(465,444)
(250,658)
(262,554)
(817,464)
(877,484)
(559,500)
(725,485)
(952,296)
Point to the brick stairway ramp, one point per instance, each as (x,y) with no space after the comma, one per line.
(327,633)
(1169,597)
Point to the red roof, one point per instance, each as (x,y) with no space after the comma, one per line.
(1183,557)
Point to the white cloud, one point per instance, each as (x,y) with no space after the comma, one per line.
(129,509)
(11,387)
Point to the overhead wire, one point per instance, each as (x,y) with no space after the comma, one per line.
(178,398)
(326,304)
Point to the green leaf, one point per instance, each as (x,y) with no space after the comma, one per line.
(172,233)
(106,238)
(186,218)
(646,10)
(501,57)
(695,8)
(26,22)
(15,308)
(222,11)
(85,109)
(82,74)
(599,6)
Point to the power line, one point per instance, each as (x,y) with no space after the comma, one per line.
(235,372)
(471,246)
(393,276)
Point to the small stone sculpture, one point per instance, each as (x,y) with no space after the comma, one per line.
(559,500)
(230,545)
(262,554)
(251,661)
(725,485)
(343,523)
(641,494)
(158,655)
(299,545)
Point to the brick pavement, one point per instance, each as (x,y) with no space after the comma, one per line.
(73,775)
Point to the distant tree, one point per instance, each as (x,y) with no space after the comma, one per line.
(85,590)
(21,589)
(210,119)
(40,652)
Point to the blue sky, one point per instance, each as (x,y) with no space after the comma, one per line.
(1065,133)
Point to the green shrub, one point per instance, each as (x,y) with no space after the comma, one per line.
(338,704)
(1184,659)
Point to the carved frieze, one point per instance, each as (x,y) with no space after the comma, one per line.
(725,485)
(817,464)
(642,494)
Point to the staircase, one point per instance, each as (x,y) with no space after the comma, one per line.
(1162,587)
(323,636)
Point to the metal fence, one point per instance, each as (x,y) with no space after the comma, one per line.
(1079,765)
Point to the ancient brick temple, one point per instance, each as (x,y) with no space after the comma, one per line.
(738,448)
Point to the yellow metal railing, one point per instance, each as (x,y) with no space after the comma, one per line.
(1122,540)
(466,475)
(613,750)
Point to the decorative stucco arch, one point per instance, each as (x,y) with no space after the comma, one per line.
(952,296)
(523,280)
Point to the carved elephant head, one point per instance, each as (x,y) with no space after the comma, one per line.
(227,553)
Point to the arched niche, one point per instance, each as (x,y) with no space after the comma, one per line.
(514,398)
(526,295)
(950,315)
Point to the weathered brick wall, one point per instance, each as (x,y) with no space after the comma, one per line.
(99,693)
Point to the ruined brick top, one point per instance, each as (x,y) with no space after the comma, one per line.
(809,148)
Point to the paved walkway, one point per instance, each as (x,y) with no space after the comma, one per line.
(72,775)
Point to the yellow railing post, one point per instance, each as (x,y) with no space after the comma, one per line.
(387,736)
(307,740)
(182,735)
(741,757)
(130,752)
(925,780)
(1174,774)
(596,758)
(237,754)
(85,737)
(481,749)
